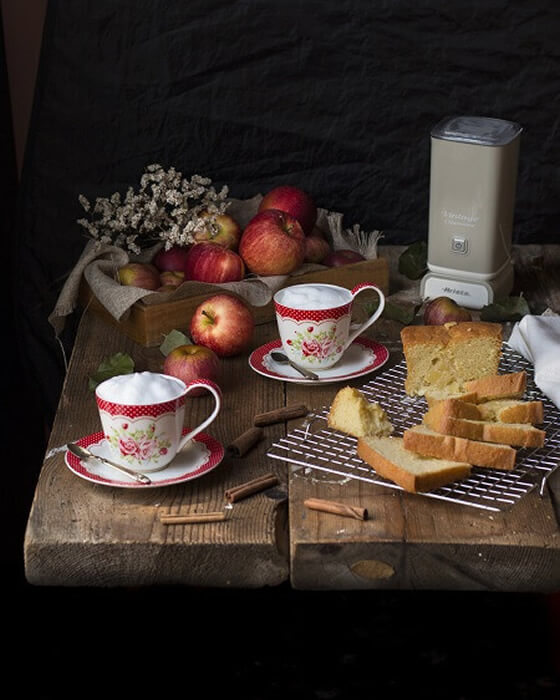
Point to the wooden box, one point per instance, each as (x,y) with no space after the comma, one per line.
(148,324)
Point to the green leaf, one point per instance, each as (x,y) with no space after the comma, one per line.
(172,340)
(507,309)
(403,314)
(413,262)
(121,363)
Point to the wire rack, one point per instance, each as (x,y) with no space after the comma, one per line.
(314,445)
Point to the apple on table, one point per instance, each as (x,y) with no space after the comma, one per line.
(224,324)
(189,362)
(444,310)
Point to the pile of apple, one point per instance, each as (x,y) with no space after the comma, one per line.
(276,241)
(221,326)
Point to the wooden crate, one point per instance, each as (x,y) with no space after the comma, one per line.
(148,324)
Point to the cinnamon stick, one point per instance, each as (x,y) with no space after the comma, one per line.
(242,444)
(355,512)
(180,519)
(236,493)
(280,415)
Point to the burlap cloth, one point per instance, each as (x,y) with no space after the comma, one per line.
(99,266)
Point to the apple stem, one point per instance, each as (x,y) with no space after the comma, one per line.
(205,313)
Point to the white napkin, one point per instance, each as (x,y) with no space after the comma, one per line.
(537,338)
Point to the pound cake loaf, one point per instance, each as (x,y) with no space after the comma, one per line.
(447,357)
(429,443)
(414,473)
(352,413)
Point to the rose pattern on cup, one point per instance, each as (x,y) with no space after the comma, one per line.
(137,444)
(316,344)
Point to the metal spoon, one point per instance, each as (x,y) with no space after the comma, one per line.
(283,360)
(84,453)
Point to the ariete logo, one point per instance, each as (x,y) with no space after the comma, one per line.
(460,292)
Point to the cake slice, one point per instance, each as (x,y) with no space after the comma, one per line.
(498,411)
(516,434)
(414,473)
(352,413)
(510,385)
(512,411)
(447,357)
(435,395)
(427,442)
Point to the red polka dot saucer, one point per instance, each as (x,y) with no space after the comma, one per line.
(362,357)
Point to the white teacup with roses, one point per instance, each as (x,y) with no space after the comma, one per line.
(314,322)
(142,416)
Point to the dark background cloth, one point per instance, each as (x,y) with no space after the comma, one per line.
(338,98)
(335,97)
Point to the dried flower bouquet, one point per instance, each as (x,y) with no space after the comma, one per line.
(166,208)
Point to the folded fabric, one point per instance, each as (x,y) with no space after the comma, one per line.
(537,338)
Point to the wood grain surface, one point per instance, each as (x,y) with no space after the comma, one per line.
(83,534)
(412,542)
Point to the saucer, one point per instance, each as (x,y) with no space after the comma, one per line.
(362,357)
(202,456)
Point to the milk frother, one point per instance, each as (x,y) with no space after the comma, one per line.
(473,178)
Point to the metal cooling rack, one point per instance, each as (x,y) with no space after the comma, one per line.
(313,445)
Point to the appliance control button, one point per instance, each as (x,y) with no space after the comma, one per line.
(459,245)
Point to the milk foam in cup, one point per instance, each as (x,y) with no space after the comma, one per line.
(314,322)
(141,388)
(314,296)
(142,416)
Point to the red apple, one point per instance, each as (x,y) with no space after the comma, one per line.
(444,310)
(210,262)
(172,278)
(227,233)
(142,275)
(342,257)
(172,259)
(293,201)
(316,249)
(272,243)
(190,362)
(224,324)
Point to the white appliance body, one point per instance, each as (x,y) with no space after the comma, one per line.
(473,181)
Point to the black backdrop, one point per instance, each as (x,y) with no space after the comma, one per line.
(336,97)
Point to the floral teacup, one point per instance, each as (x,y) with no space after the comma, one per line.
(142,417)
(314,322)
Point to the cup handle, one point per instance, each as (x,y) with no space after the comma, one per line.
(216,393)
(355,291)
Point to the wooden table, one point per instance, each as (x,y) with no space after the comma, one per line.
(83,534)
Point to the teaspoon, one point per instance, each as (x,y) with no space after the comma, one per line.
(283,360)
(84,453)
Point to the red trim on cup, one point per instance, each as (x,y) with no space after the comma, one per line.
(153,410)
(310,315)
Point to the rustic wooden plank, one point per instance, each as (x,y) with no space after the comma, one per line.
(80,533)
(411,541)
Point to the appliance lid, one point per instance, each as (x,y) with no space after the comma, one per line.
(483,131)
